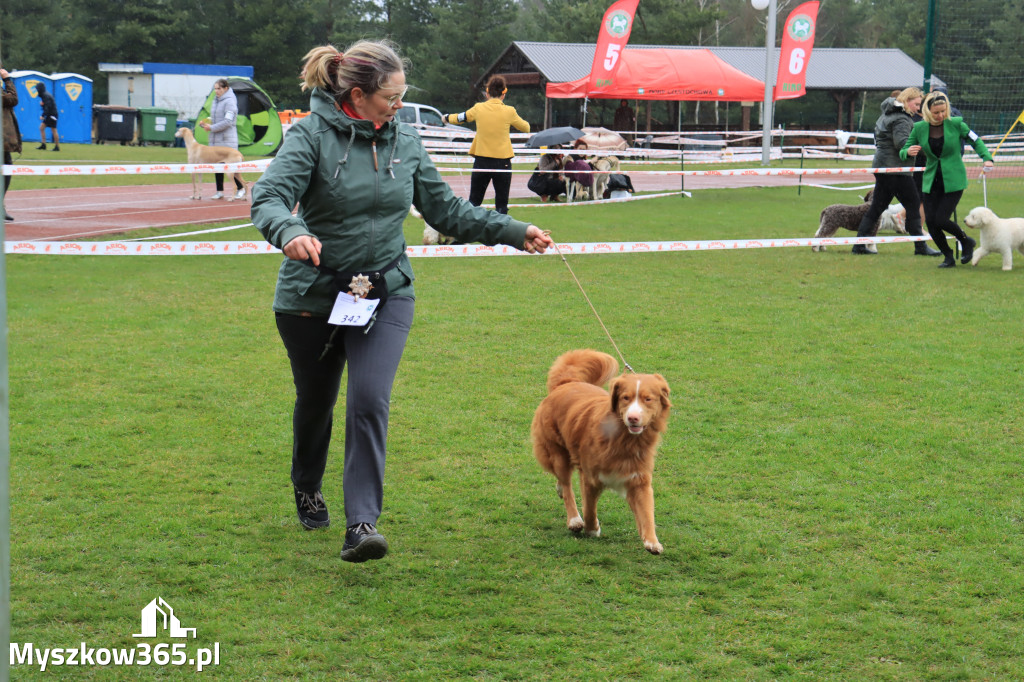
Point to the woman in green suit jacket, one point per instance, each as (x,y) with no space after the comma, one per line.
(941,138)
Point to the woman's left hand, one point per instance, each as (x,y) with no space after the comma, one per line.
(989,164)
(537,240)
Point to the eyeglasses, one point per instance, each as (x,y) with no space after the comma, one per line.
(394,98)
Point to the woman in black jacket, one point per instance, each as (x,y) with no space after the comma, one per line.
(891,131)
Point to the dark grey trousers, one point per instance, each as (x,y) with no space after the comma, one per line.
(372,360)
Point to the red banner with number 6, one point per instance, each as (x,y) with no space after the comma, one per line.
(797,41)
(611,41)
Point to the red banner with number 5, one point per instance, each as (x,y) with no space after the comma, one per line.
(797,41)
(611,41)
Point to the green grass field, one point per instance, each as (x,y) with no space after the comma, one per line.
(839,492)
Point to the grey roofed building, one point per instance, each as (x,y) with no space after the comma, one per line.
(843,72)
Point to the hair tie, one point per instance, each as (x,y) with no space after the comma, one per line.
(337,58)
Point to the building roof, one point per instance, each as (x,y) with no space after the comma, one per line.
(829,68)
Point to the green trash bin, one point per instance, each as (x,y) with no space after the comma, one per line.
(157,126)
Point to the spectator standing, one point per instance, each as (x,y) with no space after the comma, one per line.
(12,136)
(47,117)
(940,138)
(492,147)
(224,131)
(353,171)
(625,120)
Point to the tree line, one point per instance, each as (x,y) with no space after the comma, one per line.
(449,43)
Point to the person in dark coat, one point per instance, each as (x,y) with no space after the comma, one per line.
(625,120)
(12,136)
(47,118)
(546,180)
(891,130)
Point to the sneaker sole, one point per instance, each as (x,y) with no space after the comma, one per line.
(313,525)
(373,547)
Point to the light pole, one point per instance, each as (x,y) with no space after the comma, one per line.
(769,77)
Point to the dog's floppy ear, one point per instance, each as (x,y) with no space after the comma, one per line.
(614,389)
(665,390)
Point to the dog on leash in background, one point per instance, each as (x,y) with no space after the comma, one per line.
(201,153)
(611,437)
(998,235)
(848,217)
(605,166)
(431,237)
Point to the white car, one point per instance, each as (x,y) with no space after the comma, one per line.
(429,120)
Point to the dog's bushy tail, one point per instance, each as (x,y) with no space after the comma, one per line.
(588,366)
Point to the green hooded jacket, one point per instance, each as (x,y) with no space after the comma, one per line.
(354,185)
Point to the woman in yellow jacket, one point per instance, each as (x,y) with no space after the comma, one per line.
(492,147)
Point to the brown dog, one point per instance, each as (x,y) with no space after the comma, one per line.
(611,437)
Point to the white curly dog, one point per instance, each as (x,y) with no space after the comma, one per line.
(999,235)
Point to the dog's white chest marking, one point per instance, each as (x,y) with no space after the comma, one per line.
(616,483)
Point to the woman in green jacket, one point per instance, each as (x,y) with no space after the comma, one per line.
(941,138)
(354,170)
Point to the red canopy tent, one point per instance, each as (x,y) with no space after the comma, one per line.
(668,74)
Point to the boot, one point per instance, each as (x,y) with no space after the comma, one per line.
(42,146)
(950,262)
(922,249)
(862,250)
(967,244)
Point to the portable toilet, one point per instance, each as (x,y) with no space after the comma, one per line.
(73,94)
(29,109)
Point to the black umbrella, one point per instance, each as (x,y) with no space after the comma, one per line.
(553,136)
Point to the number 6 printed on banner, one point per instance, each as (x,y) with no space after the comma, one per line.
(796,61)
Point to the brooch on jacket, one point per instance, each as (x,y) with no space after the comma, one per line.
(360,286)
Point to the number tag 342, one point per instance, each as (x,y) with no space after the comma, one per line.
(350,311)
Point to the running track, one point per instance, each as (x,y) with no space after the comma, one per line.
(67,214)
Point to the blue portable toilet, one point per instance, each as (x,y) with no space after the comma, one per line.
(28,109)
(72,93)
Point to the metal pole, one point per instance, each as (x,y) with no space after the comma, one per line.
(5,451)
(682,152)
(769,84)
(929,47)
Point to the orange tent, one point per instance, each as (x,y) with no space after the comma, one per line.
(669,74)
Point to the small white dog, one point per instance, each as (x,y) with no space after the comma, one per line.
(430,235)
(1001,235)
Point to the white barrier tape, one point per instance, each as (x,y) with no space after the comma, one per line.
(841,189)
(633,197)
(223,248)
(257,166)
(229,228)
(738,172)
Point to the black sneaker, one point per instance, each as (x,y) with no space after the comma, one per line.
(42,146)
(363,542)
(312,510)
